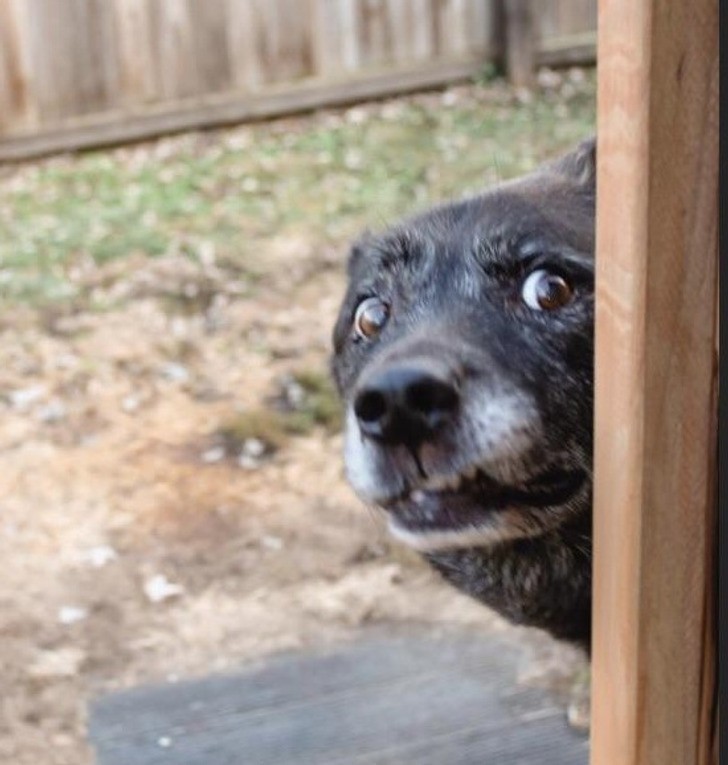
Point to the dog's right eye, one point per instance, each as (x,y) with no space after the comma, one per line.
(370,317)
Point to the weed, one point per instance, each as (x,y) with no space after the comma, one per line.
(316,404)
(263,425)
(489,72)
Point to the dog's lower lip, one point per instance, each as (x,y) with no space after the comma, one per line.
(450,509)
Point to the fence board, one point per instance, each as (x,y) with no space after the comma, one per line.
(285,45)
(175,46)
(94,58)
(576,16)
(373,30)
(559,22)
(211,45)
(549,18)
(422,30)
(242,43)
(138,80)
(15,102)
(481,28)
(51,80)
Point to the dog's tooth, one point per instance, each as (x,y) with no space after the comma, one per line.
(418,496)
(453,482)
(436,483)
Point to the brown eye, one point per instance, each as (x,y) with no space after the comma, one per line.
(370,318)
(545,291)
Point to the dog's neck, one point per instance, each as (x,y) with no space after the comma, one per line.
(540,582)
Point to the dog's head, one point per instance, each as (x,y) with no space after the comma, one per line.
(463,353)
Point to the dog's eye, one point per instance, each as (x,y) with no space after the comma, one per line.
(545,291)
(370,317)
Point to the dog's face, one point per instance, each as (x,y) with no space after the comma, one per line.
(463,353)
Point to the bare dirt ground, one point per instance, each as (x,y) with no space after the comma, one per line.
(136,545)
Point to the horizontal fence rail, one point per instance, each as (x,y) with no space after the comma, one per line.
(76,73)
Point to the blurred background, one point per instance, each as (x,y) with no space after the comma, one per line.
(179,183)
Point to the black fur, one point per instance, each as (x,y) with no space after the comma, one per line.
(452,279)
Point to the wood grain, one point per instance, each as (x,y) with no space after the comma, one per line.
(243,35)
(117,127)
(138,70)
(520,42)
(395,700)
(656,384)
(15,87)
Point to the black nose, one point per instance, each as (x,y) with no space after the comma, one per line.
(404,404)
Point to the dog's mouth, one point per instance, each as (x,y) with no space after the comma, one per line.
(463,510)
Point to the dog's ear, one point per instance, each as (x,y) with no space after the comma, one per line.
(358,253)
(580,164)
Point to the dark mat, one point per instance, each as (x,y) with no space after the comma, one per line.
(450,700)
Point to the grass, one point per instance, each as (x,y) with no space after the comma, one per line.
(320,406)
(273,426)
(263,425)
(323,176)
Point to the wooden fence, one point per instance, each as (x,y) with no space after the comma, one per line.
(76,73)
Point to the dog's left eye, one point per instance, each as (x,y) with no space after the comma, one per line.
(370,317)
(545,291)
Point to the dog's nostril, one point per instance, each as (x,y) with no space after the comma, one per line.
(370,406)
(405,403)
(431,396)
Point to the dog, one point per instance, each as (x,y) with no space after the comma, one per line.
(463,354)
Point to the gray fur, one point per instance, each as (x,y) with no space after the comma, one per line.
(452,278)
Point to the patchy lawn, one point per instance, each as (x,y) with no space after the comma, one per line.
(224,194)
(171,498)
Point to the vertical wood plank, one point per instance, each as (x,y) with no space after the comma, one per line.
(375,32)
(547,19)
(520,42)
(291,35)
(76,43)
(209,32)
(576,16)
(479,25)
(17,110)
(423,30)
(453,30)
(268,39)
(106,52)
(350,38)
(653,685)
(52,68)
(243,36)
(93,57)
(399,14)
(326,38)
(48,31)
(138,66)
(173,36)
(279,40)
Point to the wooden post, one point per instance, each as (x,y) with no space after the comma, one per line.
(520,47)
(654,663)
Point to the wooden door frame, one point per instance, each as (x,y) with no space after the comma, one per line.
(654,685)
